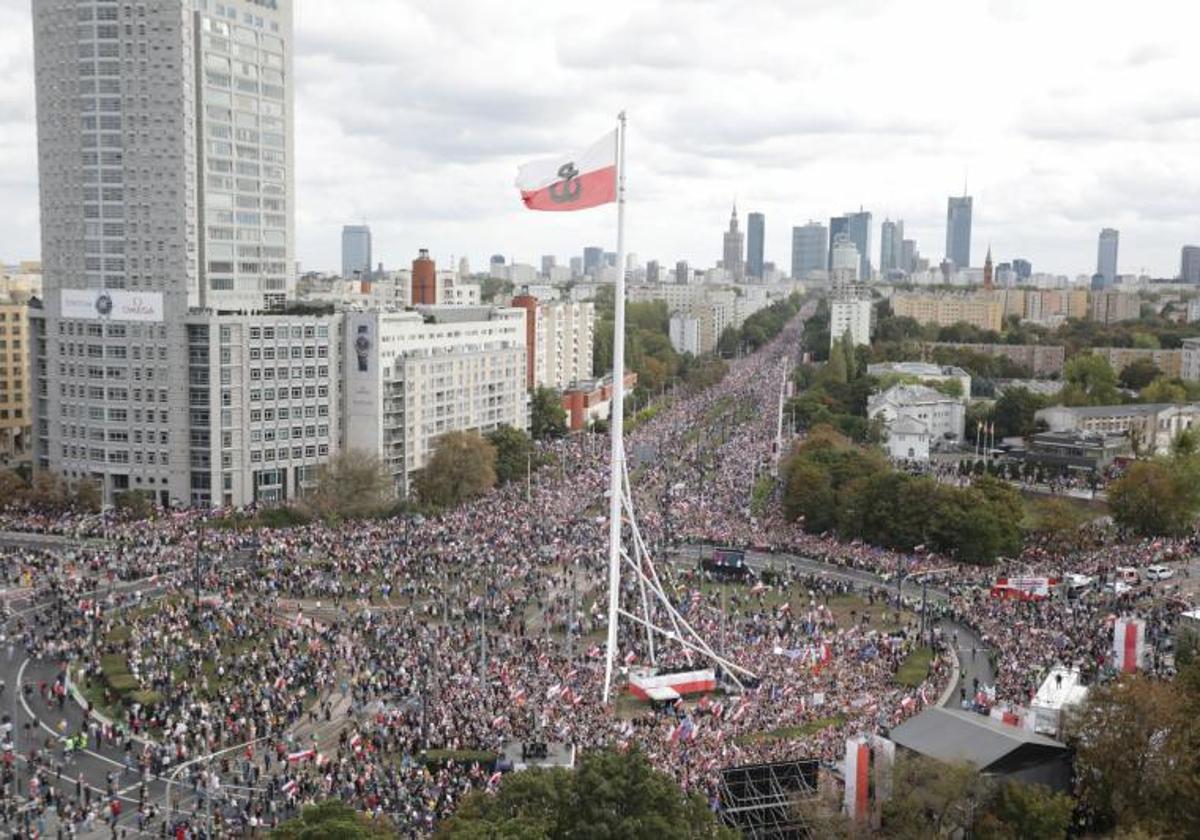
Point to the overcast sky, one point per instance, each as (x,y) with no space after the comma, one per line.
(413,116)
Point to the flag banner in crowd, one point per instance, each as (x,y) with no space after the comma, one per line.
(572,181)
(885,758)
(1129,644)
(858,778)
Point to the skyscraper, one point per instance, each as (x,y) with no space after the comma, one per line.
(810,243)
(356,251)
(683,273)
(1023,269)
(1106,256)
(593,260)
(733,248)
(166,186)
(908,255)
(958,231)
(859,230)
(755,230)
(891,238)
(548,262)
(838,226)
(1189,270)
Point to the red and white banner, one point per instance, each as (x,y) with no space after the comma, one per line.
(572,182)
(687,682)
(1129,644)
(858,778)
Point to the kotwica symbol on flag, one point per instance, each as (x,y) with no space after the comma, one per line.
(572,182)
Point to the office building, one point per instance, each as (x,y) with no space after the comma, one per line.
(558,340)
(593,261)
(958,231)
(184,153)
(839,226)
(16,419)
(755,232)
(653,272)
(909,256)
(1189,270)
(1106,256)
(891,248)
(859,231)
(684,332)
(846,261)
(356,251)
(548,263)
(576,267)
(413,376)
(732,248)
(1023,269)
(810,250)
(683,273)
(262,408)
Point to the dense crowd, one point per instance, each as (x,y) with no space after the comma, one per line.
(379,661)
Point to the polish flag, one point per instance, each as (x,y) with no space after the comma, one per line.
(303,755)
(1129,644)
(572,182)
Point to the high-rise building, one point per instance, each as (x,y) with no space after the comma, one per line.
(838,226)
(548,263)
(755,232)
(891,237)
(683,273)
(1189,269)
(576,267)
(733,244)
(356,251)
(1106,255)
(1023,269)
(908,256)
(652,271)
(958,231)
(593,260)
(857,228)
(809,248)
(166,187)
(558,341)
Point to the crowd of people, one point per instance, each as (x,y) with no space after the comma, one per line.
(384,662)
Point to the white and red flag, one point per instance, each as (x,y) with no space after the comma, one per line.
(572,182)
(1129,644)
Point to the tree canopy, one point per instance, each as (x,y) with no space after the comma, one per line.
(547,417)
(352,483)
(334,820)
(514,452)
(610,794)
(462,467)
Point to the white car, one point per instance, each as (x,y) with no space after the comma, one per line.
(1160,572)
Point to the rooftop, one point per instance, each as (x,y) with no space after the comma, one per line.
(957,735)
(916,369)
(1136,410)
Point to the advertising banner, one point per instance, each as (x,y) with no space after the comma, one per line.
(112,305)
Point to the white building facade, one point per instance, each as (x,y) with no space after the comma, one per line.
(917,412)
(411,377)
(851,315)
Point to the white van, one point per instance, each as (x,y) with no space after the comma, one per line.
(1159,572)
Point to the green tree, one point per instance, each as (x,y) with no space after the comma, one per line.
(1138,374)
(610,795)
(352,483)
(1090,381)
(1014,411)
(462,467)
(334,820)
(13,488)
(1156,498)
(809,493)
(1030,812)
(514,453)
(86,495)
(135,504)
(1138,757)
(1163,390)
(547,417)
(934,799)
(1056,524)
(836,369)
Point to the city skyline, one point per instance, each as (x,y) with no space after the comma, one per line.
(1049,167)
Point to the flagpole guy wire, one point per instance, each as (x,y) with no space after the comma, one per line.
(620,496)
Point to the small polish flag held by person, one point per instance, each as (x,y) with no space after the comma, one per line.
(572,182)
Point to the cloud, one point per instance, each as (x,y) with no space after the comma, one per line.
(412,116)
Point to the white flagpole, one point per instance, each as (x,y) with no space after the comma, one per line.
(617,424)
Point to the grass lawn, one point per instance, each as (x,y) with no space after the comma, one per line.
(915,668)
(847,609)
(787,733)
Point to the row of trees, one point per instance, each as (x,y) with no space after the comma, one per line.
(49,492)
(834,485)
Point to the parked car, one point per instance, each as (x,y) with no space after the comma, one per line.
(1160,572)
